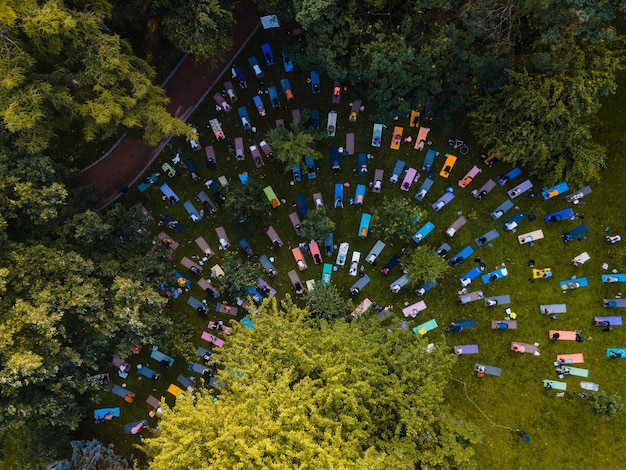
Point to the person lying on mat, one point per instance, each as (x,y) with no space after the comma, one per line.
(613,239)
(421,291)
(219,326)
(616,354)
(555,335)
(492,302)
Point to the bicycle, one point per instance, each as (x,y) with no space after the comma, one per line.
(459,145)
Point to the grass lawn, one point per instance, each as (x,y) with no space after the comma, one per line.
(561,429)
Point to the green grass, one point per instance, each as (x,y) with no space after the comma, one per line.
(563,431)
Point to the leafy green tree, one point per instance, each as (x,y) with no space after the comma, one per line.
(32,193)
(245,202)
(423,265)
(340,395)
(553,91)
(200,27)
(81,285)
(547,134)
(605,405)
(325,302)
(94,455)
(291,145)
(63,73)
(317,225)
(395,219)
(239,275)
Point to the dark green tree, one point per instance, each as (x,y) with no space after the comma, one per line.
(395,219)
(239,275)
(606,405)
(94,455)
(291,145)
(325,302)
(200,27)
(245,202)
(317,225)
(423,265)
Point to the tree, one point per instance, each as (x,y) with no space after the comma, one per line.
(291,145)
(423,265)
(245,201)
(75,285)
(32,193)
(341,395)
(239,275)
(317,225)
(605,405)
(94,455)
(395,219)
(325,302)
(553,91)
(551,110)
(200,27)
(63,73)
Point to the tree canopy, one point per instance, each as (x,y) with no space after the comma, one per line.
(317,225)
(74,285)
(239,275)
(345,395)
(395,219)
(423,265)
(245,201)
(63,71)
(200,27)
(291,145)
(325,302)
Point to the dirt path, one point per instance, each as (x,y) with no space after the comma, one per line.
(186,88)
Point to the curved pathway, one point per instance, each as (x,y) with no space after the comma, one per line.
(186,87)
